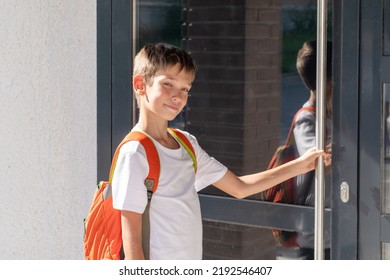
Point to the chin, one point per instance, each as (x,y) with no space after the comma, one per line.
(171,118)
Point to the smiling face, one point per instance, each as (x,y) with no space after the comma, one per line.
(166,94)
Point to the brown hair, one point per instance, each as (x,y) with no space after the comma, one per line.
(307,63)
(153,57)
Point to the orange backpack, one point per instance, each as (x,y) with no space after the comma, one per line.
(103,231)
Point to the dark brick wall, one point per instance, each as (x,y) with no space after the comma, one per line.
(235,100)
(235,242)
(234,103)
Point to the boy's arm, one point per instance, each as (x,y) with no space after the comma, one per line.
(132,235)
(244,186)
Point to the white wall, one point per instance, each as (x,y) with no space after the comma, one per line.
(47,126)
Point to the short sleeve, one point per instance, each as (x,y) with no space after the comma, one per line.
(209,170)
(305,131)
(129,192)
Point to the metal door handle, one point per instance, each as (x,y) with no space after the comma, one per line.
(344,192)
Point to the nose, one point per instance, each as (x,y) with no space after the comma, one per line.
(176,95)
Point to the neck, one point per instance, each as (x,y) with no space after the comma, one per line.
(328,103)
(156,129)
(160,134)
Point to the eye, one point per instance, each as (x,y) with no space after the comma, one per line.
(186,90)
(168,84)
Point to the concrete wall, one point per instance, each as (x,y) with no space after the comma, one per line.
(47,126)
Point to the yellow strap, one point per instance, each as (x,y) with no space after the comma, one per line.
(182,139)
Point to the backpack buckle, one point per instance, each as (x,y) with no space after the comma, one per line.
(149,183)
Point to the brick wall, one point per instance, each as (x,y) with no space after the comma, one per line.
(234,103)
(235,100)
(236,242)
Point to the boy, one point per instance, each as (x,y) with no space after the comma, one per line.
(162,78)
(305,137)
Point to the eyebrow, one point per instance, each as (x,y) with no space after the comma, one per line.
(173,78)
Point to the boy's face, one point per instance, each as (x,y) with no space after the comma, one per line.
(167,93)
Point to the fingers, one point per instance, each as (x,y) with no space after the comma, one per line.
(326,154)
(328,159)
(316,153)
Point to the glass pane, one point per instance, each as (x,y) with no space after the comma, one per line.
(385,251)
(161,21)
(228,241)
(386,149)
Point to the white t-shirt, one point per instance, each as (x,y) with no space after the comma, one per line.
(175,217)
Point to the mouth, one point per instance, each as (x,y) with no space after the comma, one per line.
(172,107)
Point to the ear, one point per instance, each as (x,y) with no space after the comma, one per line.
(139,84)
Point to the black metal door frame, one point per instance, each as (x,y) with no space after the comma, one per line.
(114,91)
(374,226)
(345,128)
(362,71)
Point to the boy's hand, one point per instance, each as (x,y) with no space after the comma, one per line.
(309,158)
(328,159)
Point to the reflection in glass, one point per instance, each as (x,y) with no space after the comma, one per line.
(230,241)
(159,21)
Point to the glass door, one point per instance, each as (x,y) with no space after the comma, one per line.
(242,102)
(244,97)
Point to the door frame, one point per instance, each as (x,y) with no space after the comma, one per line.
(114,96)
(114,91)
(351,238)
(345,146)
(374,226)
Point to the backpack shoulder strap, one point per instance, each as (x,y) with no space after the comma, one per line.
(289,138)
(153,159)
(183,140)
(151,181)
